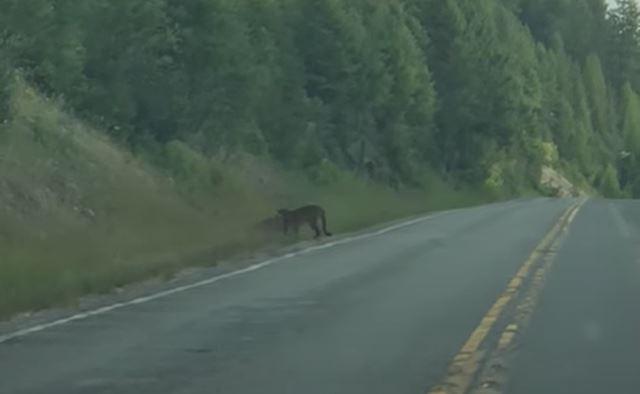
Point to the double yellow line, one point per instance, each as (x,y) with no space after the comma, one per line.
(466,364)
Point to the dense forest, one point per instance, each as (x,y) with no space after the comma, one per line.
(483,92)
(140,137)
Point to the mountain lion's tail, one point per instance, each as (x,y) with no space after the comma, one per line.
(324,224)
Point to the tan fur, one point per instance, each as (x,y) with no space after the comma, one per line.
(313,215)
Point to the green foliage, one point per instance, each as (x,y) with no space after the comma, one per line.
(597,94)
(609,185)
(199,101)
(325,173)
(631,119)
(190,167)
(82,215)
(450,85)
(580,24)
(624,43)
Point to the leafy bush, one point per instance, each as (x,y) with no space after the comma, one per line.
(191,167)
(609,185)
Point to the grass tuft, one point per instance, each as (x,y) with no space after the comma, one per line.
(81,215)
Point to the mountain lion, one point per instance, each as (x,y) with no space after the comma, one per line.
(309,214)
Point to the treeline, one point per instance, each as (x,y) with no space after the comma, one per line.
(482,91)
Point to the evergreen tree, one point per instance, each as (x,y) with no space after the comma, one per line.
(481,91)
(597,94)
(624,44)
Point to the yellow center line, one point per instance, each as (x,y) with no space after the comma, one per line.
(466,363)
(495,373)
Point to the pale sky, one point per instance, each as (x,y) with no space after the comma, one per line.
(612,2)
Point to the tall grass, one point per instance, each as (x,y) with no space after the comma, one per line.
(80,215)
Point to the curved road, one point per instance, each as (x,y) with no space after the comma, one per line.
(386,313)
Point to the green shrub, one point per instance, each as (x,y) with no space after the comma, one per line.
(609,185)
(191,167)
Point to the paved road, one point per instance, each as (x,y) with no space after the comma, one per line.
(585,335)
(384,314)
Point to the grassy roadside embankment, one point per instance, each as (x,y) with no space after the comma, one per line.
(80,215)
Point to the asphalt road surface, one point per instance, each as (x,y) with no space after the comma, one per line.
(386,313)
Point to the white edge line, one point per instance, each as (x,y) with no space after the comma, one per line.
(180,289)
